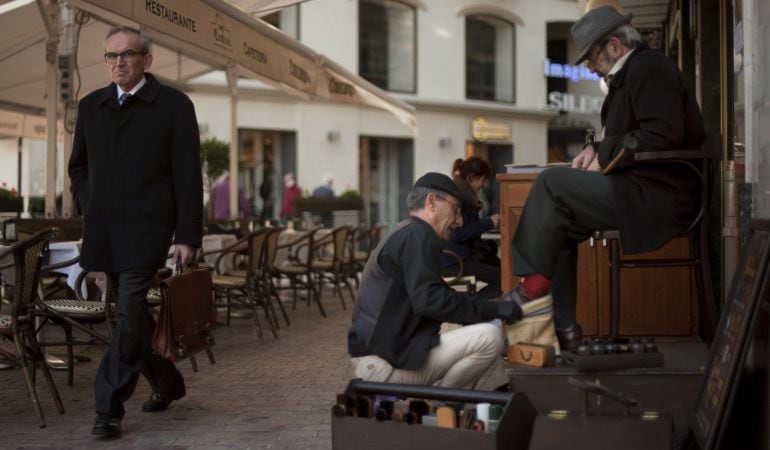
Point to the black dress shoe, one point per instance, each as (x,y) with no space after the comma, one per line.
(570,338)
(106,426)
(159,402)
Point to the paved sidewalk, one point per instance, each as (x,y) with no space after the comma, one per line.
(269,393)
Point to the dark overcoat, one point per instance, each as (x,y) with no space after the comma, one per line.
(648,100)
(136,176)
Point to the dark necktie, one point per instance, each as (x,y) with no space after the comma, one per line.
(123,98)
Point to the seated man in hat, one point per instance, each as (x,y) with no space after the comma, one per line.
(403,300)
(648,108)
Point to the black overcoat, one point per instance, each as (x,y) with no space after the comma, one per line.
(648,100)
(136,176)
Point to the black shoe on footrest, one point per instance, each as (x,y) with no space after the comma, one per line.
(570,338)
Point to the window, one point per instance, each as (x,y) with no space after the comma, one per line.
(387,48)
(490,45)
(286,20)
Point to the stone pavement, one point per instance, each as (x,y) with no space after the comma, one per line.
(265,394)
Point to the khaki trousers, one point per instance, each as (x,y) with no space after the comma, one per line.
(460,359)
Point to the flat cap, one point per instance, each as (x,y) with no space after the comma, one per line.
(441,182)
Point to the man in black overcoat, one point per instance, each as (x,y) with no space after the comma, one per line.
(136,178)
(648,108)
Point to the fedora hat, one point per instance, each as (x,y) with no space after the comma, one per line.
(594,25)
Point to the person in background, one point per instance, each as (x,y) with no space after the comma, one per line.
(648,108)
(136,176)
(220,200)
(290,193)
(326,189)
(402,301)
(479,256)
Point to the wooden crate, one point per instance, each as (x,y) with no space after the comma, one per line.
(355,433)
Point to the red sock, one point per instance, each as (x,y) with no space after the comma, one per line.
(536,285)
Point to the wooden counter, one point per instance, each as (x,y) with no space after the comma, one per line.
(654,302)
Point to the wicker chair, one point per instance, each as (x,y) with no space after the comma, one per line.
(244,287)
(19,326)
(296,268)
(331,258)
(76,313)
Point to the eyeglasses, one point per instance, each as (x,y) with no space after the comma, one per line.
(112,57)
(456,207)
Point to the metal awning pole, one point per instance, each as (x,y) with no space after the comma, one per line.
(232,87)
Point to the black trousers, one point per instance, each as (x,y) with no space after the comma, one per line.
(564,207)
(129,352)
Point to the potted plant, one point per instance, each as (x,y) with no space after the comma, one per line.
(9,199)
(350,200)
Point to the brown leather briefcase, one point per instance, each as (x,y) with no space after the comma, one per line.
(186,315)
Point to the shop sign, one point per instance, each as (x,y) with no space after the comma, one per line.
(483,129)
(572,73)
(13,124)
(563,101)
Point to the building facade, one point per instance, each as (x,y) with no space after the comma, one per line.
(474,71)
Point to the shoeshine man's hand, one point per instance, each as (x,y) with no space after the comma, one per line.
(594,166)
(183,255)
(585,159)
(509,312)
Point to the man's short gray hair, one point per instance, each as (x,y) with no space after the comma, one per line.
(628,36)
(415,200)
(144,41)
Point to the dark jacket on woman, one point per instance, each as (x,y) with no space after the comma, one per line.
(473,226)
(649,108)
(136,176)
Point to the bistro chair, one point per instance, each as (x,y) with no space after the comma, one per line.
(269,252)
(243,288)
(296,268)
(331,257)
(76,313)
(701,164)
(19,326)
(365,240)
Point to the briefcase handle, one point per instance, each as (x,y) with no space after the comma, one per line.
(187,268)
(361,387)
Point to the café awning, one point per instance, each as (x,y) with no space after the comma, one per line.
(190,38)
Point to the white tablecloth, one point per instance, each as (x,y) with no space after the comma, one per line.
(63,251)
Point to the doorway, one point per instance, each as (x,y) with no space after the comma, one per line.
(386,174)
(265,156)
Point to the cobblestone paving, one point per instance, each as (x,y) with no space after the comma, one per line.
(263,394)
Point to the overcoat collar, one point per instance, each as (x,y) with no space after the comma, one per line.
(617,81)
(147,93)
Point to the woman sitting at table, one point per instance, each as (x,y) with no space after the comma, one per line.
(479,256)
